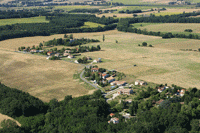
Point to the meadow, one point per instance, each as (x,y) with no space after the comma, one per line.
(91,25)
(46,79)
(40,19)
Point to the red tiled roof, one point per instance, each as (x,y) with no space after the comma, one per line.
(95,68)
(111,114)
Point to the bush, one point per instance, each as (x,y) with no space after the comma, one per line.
(188,30)
(150,45)
(144,44)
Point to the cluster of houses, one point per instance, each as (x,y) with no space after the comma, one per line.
(178,93)
(109,78)
(113,119)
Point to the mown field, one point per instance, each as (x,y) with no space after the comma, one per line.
(23,20)
(46,79)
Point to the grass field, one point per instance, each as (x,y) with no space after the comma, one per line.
(46,79)
(91,25)
(23,20)
(170,27)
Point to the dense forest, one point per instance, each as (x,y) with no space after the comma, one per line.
(58,24)
(90,113)
(21,14)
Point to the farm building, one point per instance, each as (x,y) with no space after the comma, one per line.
(139,82)
(97,60)
(125,91)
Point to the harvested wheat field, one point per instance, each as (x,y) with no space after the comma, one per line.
(46,79)
(3,117)
(173,27)
(40,77)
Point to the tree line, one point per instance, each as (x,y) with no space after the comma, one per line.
(58,24)
(21,14)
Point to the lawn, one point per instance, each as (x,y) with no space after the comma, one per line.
(23,20)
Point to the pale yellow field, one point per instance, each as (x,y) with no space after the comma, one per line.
(173,27)
(3,117)
(46,79)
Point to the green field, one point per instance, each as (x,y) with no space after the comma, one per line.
(23,20)
(91,25)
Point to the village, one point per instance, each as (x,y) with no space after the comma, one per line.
(119,88)
(70,53)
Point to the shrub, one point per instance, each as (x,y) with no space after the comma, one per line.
(150,45)
(144,44)
(188,30)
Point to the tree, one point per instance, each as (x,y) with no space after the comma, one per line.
(144,44)
(103,37)
(40,45)
(71,36)
(65,36)
(6,123)
(199,49)
(134,15)
(116,41)
(98,47)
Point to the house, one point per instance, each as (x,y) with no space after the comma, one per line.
(67,51)
(66,54)
(110,79)
(128,101)
(119,83)
(70,56)
(158,102)
(139,82)
(114,120)
(161,89)
(97,60)
(182,92)
(112,114)
(95,69)
(125,91)
(113,83)
(57,54)
(33,51)
(49,53)
(104,76)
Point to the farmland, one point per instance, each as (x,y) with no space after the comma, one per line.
(45,79)
(168,27)
(23,20)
